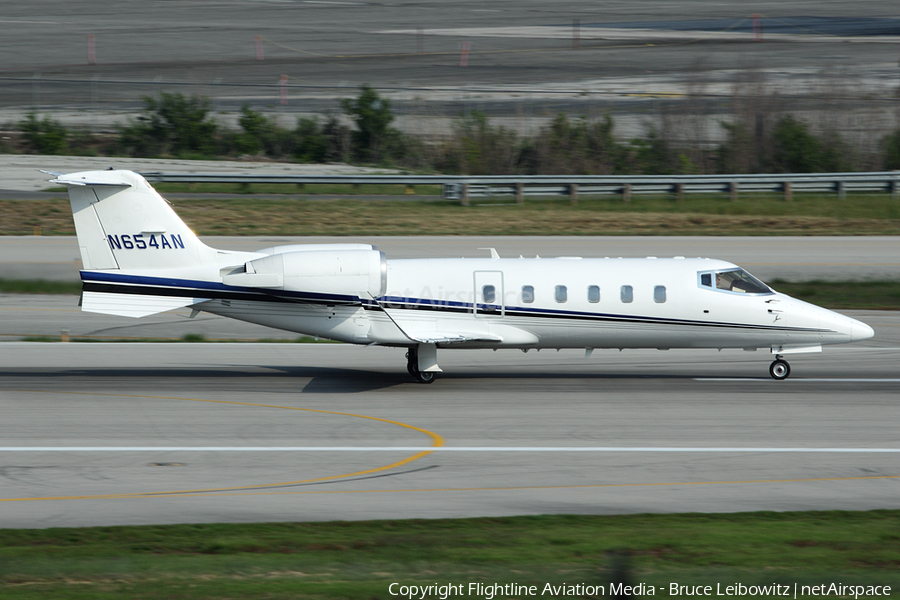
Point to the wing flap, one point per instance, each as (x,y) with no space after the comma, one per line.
(437,337)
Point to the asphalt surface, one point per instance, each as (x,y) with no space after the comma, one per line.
(105,434)
(23,172)
(526,61)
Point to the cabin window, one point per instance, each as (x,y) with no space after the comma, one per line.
(593,293)
(561,294)
(659,294)
(527,294)
(489,293)
(626,293)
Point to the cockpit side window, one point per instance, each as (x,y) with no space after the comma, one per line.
(736,281)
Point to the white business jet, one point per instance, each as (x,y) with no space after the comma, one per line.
(141,259)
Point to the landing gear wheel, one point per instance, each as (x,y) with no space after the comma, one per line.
(424,376)
(412,362)
(779,369)
(412,365)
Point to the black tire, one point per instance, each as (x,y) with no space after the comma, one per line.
(780,370)
(425,376)
(412,363)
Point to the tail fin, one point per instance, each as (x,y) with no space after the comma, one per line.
(126,231)
(123,223)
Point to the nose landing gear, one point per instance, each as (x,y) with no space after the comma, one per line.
(779,369)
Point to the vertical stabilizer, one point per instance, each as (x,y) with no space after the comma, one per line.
(123,223)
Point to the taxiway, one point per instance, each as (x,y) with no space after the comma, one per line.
(103,434)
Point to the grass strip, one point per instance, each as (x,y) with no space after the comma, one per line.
(361,559)
(315,189)
(39,286)
(859,214)
(858,295)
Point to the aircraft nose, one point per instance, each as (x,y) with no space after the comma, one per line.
(860,331)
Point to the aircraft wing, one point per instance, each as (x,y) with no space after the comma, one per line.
(438,337)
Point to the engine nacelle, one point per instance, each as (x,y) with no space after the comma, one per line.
(353,273)
(313,248)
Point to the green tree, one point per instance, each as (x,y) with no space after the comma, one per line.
(736,154)
(257,134)
(574,147)
(795,149)
(835,154)
(311,144)
(478,148)
(890,145)
(374,139)
(339,140)
(45,136)
(262,134)
(652,155)
(171,124)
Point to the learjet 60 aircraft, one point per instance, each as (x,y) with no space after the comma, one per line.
(140,259)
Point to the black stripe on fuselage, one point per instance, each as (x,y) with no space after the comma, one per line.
(422,305)
(593,317)
(250,296)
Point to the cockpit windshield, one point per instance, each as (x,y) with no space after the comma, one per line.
(734,280)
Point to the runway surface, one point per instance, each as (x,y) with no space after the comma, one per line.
(91,63)
(103,434)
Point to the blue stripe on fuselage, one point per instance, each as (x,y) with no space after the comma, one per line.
(148,283)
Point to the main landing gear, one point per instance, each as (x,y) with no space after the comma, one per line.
(412,365)
(779,369)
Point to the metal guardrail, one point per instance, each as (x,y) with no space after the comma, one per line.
(465,187)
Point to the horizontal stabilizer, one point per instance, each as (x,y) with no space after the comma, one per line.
(63,180)
(133,305)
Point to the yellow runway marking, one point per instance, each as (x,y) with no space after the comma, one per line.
(239,492)
(560,487)
(437,441)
